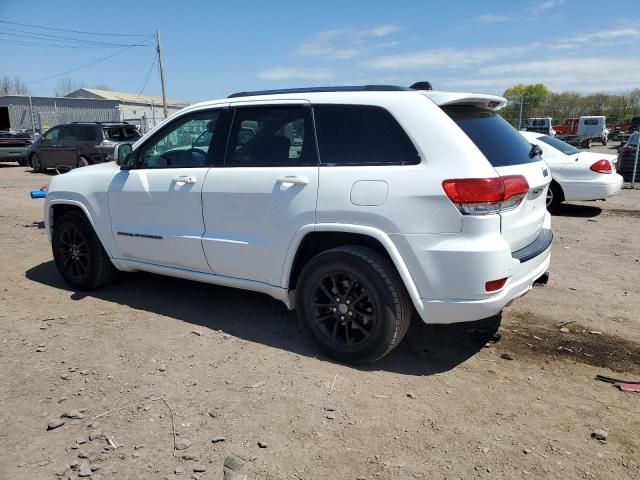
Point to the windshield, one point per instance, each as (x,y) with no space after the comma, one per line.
(500,143)
(559,145)
(633,139)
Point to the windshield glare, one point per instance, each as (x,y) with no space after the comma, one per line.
(559,145)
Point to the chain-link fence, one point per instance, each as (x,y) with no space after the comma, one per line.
(559,114)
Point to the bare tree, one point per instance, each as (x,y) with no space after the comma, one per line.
(65,86)
(102,86)
(13,86)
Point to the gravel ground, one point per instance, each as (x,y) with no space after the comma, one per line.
(232,372)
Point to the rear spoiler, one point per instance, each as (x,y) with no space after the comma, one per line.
(486,102)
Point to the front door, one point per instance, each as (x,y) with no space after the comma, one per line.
(156,206)
(264,194)
(47,146)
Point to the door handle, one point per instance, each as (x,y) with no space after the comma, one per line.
(296,180)
(185,179)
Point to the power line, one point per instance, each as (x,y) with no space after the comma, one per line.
(73,31)
(20,43)
(146,80)
(83,66)
(63,43)
(44,36)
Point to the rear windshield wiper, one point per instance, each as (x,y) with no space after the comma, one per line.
(535,151)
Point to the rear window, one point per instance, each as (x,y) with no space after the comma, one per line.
(633,139)
(500,143)
(564,147)
(119,134)
(361,135)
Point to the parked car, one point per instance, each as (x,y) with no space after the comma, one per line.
(576,175)
(627,158)
(64,147)
(540,125)
(395,201)
(14,147)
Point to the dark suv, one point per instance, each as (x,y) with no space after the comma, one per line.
(64,147)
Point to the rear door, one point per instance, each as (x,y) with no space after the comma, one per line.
(510,154)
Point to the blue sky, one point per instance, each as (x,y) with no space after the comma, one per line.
(214,48)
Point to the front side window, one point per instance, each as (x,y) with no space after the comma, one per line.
(361,135)
(182,143)
(271,136)
(51,135)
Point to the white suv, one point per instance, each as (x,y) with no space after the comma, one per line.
(354,205)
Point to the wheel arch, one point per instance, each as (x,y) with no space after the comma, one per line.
(314,239)
(56,208)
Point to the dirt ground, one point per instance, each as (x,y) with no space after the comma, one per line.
(149,351)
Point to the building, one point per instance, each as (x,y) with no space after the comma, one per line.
(143,110)
(84,105)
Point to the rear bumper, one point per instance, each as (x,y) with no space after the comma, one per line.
(13,154)
(450,271)
(604,187)
(455,310)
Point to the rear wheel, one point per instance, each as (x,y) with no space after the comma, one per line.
(555,197)
(78,253)
(82,162)
(36,163)
(587,144)
(353,303)
(604,141)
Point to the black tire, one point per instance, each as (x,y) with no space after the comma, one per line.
(36,163)
(374,312)
(604,141)
(82,162)
(555,196)
(587,144)
(78,253)
(22,161)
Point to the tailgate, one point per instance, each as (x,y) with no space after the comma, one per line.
(522,225)
(509,154)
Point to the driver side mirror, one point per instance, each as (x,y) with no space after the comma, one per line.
(123,154)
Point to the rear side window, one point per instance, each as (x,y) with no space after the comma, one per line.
(499,142)
(87,134)
(361,135)
(559,145)
(271,136)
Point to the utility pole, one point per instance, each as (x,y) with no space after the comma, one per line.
(520,116)
(164,93)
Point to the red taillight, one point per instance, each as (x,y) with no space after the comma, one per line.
(481,196)
(602,166)
(495,285)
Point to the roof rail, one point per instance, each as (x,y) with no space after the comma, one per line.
(354,88)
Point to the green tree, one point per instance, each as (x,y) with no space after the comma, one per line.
(535,94)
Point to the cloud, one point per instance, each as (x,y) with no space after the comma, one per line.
(543,7)
(489,18)
(343,43)
(296,73)
(445,57)
(566,73)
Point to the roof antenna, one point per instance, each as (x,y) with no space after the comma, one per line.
(421,86)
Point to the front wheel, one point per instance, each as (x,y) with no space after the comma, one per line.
(353,303)
(78,253)
(36,163)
